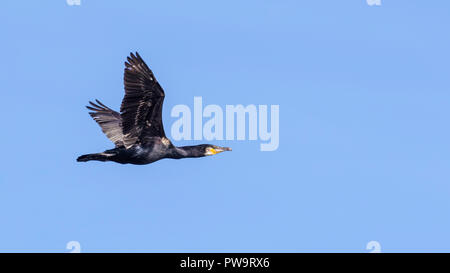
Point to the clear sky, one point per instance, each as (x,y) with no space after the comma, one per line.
(364,148)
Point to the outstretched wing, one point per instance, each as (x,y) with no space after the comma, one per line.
(141,108)
(109,120)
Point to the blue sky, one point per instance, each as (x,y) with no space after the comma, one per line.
(364,126)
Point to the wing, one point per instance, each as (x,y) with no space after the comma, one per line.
(141,108)
(109,120)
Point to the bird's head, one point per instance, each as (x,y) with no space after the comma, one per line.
(213,149)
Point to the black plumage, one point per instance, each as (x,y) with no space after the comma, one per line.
(137,131)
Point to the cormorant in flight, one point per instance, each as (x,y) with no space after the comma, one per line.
(137,131)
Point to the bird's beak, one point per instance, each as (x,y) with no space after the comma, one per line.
(221,149)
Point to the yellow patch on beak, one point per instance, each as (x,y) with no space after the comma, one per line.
(214,151)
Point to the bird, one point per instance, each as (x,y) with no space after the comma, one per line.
(137,131)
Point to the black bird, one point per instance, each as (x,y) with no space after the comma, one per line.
(137,131)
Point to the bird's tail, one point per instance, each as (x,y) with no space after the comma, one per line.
(89,157)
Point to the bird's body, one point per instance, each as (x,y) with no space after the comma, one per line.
(137,131)
(137,154)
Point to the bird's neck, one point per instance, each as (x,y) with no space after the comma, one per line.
(186,151)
